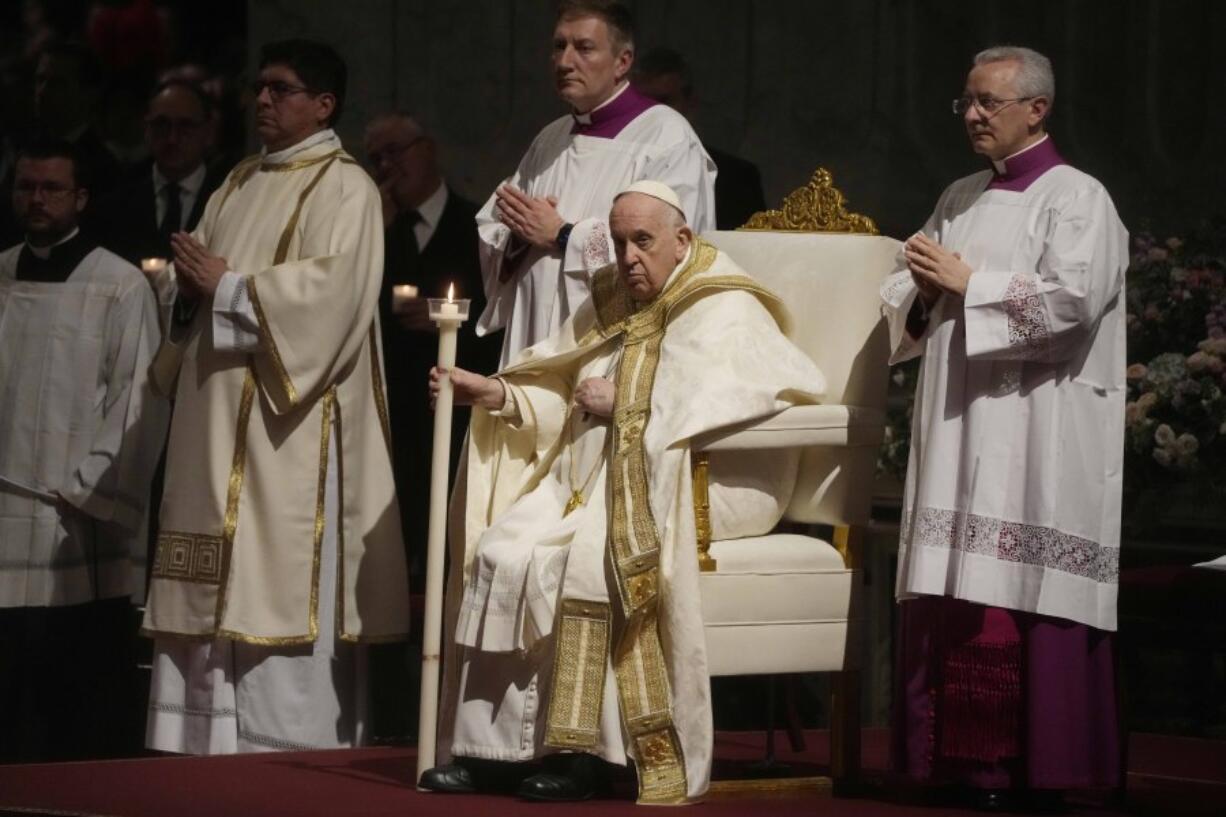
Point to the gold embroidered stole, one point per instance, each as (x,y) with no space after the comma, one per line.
(581,653)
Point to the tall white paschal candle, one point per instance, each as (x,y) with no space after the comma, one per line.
(448,314)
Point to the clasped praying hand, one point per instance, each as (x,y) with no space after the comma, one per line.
(595,395)
(935,269)
(534,220)
(197,270)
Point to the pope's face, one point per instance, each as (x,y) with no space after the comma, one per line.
(286,111)
(648,241)
(1006,130)
(587,66)
(46,199)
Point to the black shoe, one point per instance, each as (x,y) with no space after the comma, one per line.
(451,778)
(567,777)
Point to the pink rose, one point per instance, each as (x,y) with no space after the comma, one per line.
(1198,362)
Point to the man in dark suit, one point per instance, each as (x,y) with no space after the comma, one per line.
(137,219)
(430,242)
(664,75)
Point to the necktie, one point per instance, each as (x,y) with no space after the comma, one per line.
(172,218)
(406,235)
(411,219)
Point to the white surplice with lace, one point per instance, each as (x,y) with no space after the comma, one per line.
(1014,482)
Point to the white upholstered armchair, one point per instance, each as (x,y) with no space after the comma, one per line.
(784,602)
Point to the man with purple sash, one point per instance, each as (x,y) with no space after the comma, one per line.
(1013,292)
(544,231)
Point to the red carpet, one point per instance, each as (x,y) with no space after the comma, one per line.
(1168,776)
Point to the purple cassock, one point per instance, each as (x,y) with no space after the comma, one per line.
(999,699)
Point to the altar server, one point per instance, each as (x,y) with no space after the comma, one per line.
(1013,293)
(80,437)
(545,231)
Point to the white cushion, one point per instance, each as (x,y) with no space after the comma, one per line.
(778,603)
(776,579)
(774,553)
(762,650)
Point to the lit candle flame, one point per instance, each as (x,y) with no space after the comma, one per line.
(450,292)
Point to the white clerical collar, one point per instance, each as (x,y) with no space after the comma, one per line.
(43,253)
(318,138)
(999,164)
(431,210)
(586,118)
(191,183)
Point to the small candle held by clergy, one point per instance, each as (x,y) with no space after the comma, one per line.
(153,267)
(401,295)
(449,310)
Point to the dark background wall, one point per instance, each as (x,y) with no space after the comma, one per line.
(860,87)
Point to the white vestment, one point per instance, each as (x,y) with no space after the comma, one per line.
(288,598)
(538,597)
(79,421)
(584,173)
(1013,486)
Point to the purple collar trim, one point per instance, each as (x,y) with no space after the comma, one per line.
(608,120)
(1023,168)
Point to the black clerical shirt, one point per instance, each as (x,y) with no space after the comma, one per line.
(60,264)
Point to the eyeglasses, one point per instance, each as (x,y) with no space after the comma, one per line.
(391,152)
(278,90)
(990,105)
(51,192)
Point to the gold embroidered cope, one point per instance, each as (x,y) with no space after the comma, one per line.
(639,662)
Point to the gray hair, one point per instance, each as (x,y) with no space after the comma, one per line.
(1034,74)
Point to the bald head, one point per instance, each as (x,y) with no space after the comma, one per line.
(403,159)
(650,237)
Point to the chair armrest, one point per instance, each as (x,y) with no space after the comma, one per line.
(799,427)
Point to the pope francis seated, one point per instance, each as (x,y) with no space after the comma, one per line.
(573,596)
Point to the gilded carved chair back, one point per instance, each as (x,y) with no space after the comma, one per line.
(818,207)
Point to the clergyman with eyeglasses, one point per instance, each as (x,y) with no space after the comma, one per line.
(271,571)
(79,440)
(1012,293)
(167,196)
